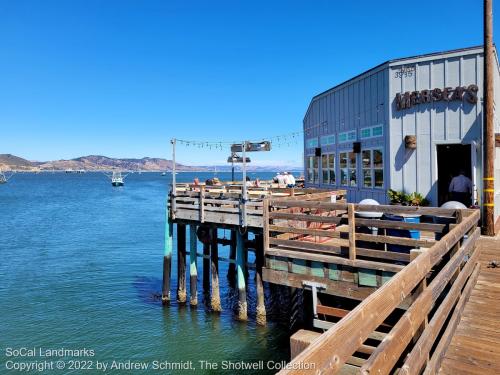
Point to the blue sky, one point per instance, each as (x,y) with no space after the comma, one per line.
(120,78)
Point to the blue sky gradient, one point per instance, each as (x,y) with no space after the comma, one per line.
(120,78)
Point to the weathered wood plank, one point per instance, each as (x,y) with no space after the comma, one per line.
(435,362)
(357,263)
(389,351)
(337,288)
(336,345)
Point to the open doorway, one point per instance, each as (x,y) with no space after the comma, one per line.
(451,159)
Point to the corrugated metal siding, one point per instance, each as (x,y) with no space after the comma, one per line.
(359,103)
(433,123)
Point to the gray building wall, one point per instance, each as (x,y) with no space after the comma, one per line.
(361,102)
(369,99)
(434,123)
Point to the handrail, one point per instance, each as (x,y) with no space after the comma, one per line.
(331,350)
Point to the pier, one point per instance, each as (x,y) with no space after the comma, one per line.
(205,210)
(380,301)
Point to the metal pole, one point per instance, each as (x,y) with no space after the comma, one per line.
(172,191)
(244,187)
(488,128)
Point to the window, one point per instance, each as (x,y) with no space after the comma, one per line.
(366,165)
(378,131)
(352,169)
(372,132)
(343,168)
(328,169)
(373,168)
(327,140)
(312,143)
(347,165)
(312,170)
(347,136)
(378,168)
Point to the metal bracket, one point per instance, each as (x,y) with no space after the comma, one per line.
(315,287)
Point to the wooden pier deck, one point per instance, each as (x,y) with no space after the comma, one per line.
(383,301)
(475,345)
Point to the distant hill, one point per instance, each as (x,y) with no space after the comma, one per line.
(8,161)
(99,162)
(93,163)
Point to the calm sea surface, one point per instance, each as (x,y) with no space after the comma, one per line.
(81,267)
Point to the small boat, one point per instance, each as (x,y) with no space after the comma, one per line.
(117,179)
(4,178)
(69,170)
(164,174)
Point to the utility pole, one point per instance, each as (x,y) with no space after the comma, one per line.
(488,127)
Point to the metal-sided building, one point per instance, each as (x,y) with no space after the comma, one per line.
(408,124)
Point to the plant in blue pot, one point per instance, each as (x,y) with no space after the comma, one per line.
(404,199)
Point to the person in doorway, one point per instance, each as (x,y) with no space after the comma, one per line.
(461,188)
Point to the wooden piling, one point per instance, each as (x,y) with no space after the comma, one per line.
(259,260)
(240,266)
(193,267)
(206,267)
(167,261)
(181,263)
(231,271)
(214,270)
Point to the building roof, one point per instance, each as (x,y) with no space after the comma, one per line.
(405,59)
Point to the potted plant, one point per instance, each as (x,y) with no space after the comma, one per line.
(404,199)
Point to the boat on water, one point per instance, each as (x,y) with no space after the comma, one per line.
(4,177)
(69,170)
(164,174)
(117,179)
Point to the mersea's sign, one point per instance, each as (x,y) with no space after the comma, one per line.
(410,99)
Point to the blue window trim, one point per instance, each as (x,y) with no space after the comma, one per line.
(326,140)
(349,136)
(371,129)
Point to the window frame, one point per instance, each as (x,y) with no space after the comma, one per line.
(329,169)
(372,168)
(348,169)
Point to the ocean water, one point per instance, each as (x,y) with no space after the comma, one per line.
(81,268)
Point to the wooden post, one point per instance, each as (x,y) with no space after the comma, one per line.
(231,272)
(265,225)
(488,128)
(352,231)
(206,267)
(193,267)
(245,249)
(181,263)
(214,270)
(202,203)
(240,263)
(259,260)
(167,261)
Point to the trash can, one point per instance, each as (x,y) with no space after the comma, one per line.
(406,233)
(447,220)
(369,230)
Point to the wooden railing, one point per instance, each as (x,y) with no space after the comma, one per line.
(223,204)
(439,279)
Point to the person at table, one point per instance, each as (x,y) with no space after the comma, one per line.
(281,181)
(290,180)
(249,182)
(461,188)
